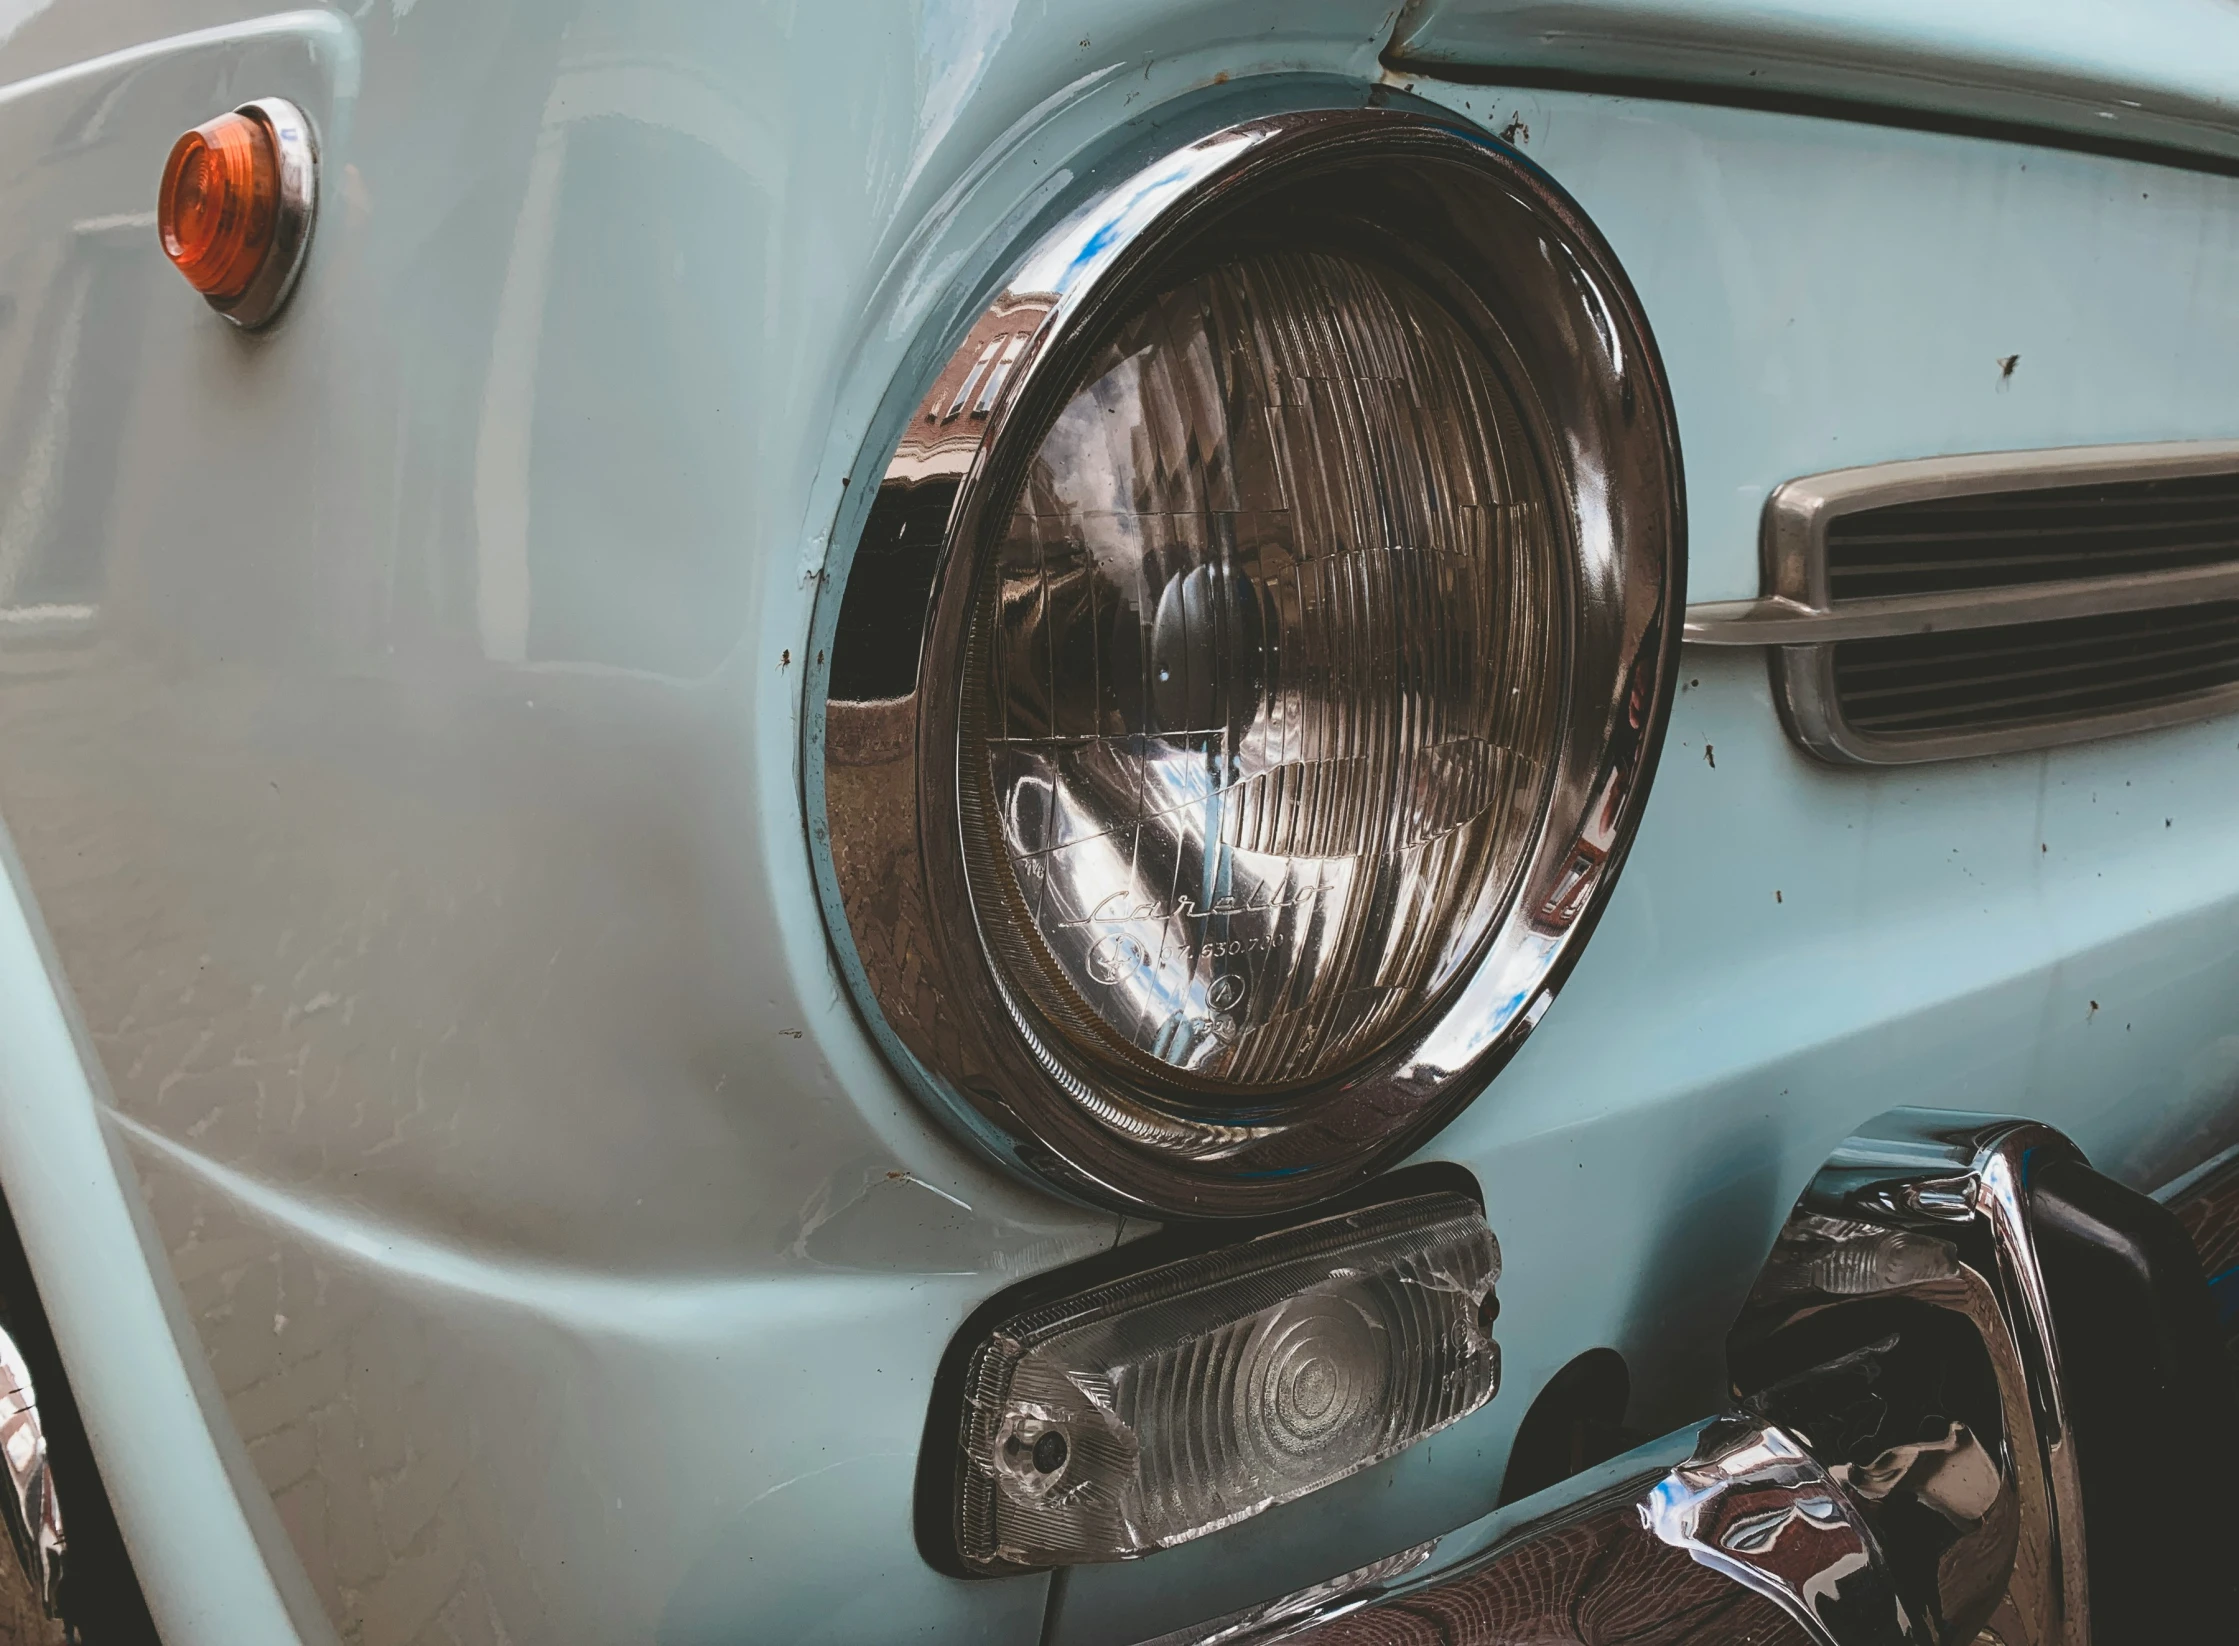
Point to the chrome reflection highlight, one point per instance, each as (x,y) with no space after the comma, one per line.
(1250,671)
(1152,1410)
(1723,1532)
(1947,1425)
(1754,1505)
(1269,666)
(28,1502)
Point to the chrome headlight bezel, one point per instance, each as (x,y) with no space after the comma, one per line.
(883,769)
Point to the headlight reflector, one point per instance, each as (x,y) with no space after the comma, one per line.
(1264,676)
(1151,1410)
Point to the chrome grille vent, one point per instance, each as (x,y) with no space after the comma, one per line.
(1975,605)
(2001,539)
(2031,673)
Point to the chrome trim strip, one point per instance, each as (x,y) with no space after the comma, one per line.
(2181,1186)
(1780,621)
(1799,618)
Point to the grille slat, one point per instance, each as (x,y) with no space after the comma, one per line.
(2003,539)
(2008,571)
(2090,665)
(2054,507)
(2054,677)
(2055,525)
(2111,494)
(1989,645)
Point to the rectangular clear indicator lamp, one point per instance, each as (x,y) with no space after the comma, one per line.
(1165,1405)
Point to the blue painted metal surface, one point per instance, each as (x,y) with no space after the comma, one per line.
(2153,72)
(406,772)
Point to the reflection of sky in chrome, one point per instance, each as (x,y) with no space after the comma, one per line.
(1488,1005)
(1084,244)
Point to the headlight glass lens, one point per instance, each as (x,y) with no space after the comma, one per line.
(1264,675)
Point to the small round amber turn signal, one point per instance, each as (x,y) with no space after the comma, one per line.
(220,204)
(235,209)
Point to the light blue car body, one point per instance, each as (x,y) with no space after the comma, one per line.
(467,1201)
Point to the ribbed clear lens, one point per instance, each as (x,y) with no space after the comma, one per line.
(1265,676)
(1156,1409)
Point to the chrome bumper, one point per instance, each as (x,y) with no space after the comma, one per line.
(1965,1349)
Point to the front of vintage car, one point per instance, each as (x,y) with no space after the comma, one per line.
(1121,822)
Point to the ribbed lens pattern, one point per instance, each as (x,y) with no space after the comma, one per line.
(1206,1392)
(1264,677)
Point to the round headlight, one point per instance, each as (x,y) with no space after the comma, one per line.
(1251,666)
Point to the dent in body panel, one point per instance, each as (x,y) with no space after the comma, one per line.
(494,1453)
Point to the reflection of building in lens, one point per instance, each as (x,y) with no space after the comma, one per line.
(1574,886)
(900,548)
(1582,870)
(944,434)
